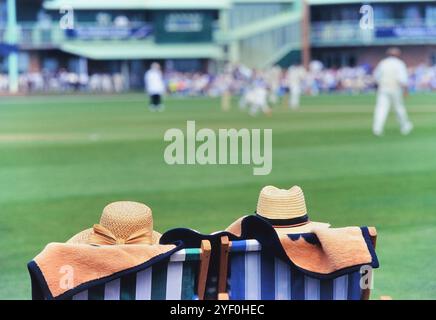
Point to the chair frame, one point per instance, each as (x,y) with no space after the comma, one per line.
(224,266)
(204,268)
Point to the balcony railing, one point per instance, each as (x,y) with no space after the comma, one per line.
(337,33)
(33,35)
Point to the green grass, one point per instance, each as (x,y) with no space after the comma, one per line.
(62,159)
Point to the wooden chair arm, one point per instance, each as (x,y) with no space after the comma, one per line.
(223,296)
(204,268)
(223,265)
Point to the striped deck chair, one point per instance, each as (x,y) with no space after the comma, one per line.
(182,276)
(248,273)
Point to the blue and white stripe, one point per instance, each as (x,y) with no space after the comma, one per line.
(256,275)
(173,279)
(143,284)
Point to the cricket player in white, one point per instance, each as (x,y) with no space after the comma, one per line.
(296,76)
(155,86)
(257,97)
(273,76)
(391,77)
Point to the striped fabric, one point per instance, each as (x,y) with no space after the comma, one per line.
(173,279)
(256,275)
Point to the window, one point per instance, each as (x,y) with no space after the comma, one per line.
(187,65)
(338,59)
(430,15)
(3,13)
(50,64)
(23,61)
(383,12)
(3,64)
(243,14)
(413,15)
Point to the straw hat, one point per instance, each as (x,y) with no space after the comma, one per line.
(286,210)
(122,222)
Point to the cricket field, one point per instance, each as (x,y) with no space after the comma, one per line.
(63,158)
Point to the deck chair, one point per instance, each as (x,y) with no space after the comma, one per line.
(248,273)
(181,276)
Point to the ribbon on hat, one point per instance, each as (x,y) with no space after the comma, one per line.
(291,222)
(103,236)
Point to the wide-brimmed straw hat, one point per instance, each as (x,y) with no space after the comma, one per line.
(122,222)
(286,210)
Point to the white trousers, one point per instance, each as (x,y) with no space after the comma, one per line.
(384,101)
(256,107)
(294,99)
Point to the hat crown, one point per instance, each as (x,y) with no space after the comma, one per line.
(124,218)
(275,203)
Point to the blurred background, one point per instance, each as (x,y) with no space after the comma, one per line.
(59,45)
(76,133)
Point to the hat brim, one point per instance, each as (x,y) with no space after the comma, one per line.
(306,228)
(83,237)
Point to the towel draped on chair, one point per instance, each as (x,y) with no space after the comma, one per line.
(67,268)
(324,251)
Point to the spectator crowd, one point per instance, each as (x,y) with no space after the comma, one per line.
(234,79)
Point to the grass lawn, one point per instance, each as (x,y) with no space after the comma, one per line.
(62,159)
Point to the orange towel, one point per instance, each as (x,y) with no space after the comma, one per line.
(66,266)
(324,251)
(335,249)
